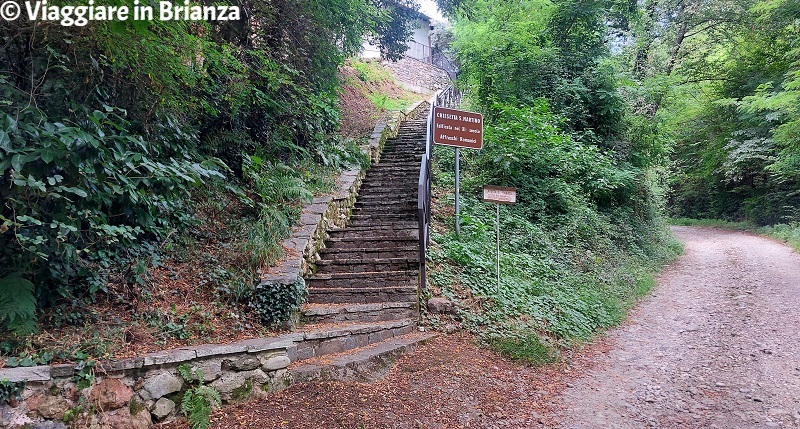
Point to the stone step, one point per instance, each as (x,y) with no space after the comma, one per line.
(379,203)
(392,227)
(381,217)
(412,129)
(411,220)
(383,195)
(349,241)
(415,159)
(366,264)
(377,252)
(411,153)
(325,339)
(365,365)
(368,242)
(401,156)
(376,232)
(410,163)
(406,182)
(394,172)
(408,136)
(408,186)
(403,152)
(398,202)
(377,312)
(392,176)
(367,279)
(404,207)
(402,184)
(380,224)
(410,210)
(320,295)
(372,191)
(409,142)
(402,187)
(412,146)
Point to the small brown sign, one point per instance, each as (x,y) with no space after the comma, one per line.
(457,128)
(499,194)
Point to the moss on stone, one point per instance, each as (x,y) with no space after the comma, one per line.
(242,392)
(136,406)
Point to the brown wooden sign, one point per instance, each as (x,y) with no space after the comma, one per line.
(499,194)
(457,128)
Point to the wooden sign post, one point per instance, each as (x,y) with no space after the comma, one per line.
(499,195)
(457,128)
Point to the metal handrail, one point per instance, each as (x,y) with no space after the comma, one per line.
(414,46)
(448,97)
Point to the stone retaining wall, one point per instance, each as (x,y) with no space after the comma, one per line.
(418,75)
(134,393)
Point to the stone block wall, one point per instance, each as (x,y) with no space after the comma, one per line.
(134,393)
(417,75)
(137,392)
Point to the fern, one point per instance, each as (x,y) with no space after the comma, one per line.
(275,183)
(17,304)
(277,186)
(197,405)
(185,371)
(199,401)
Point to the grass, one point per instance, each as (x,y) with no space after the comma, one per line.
(788,233)
(380,87)
(381,101)
(528,349)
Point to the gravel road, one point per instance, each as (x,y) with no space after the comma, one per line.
(717,344)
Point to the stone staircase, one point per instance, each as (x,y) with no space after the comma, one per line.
(369,268)
(364,290)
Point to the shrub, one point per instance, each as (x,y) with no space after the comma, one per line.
(79,195)
(276,303)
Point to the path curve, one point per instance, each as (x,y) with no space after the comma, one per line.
(716,345)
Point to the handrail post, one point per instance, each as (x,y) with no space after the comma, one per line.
(449,97)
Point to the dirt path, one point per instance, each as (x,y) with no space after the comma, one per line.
(717,345)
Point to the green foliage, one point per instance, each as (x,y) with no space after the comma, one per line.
(84,371)
(276,303)
(517,53)
(11,391)
(198,401)
(17,304)
(526,348)
(276,187)
(576,251)
(75,194)
(728,101)
(587,232)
